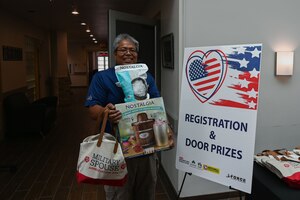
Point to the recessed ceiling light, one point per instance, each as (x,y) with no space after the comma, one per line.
(87,29)
(83,23)
(75,11)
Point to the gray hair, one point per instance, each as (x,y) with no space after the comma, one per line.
(125,36)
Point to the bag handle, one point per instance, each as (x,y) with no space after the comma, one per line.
(104,121)
(114,132)
(269,153)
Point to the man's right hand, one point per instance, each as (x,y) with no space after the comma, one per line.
(114,115)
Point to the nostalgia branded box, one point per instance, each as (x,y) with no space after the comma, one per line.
(144,127)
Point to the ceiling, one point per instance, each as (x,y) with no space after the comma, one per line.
(56,15)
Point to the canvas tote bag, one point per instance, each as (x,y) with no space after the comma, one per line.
(285,164)
(101,160)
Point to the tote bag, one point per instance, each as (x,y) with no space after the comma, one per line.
(285,164)
(101,160)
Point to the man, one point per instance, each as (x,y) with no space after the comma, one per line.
(104,91)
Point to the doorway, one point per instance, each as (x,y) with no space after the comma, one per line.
(146,31)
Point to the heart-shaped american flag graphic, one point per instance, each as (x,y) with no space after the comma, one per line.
(206,72)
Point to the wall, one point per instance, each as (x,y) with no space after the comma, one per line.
(272,23)
(11,37)
(60,66)
(13,73)
(239,22)
(77,59)
(62,54)
(45,66)
(78,62)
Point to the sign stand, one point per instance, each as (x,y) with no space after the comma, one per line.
(186,173)
(178,196)
(240,193)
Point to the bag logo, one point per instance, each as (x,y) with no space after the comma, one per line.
(87,159)
(123,166)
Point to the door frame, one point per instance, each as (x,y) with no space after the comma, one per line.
(115,16)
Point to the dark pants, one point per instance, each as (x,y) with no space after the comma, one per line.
(141,183)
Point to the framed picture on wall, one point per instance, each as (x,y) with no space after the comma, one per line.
(167,51)
(12,53)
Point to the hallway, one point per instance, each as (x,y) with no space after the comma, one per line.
(46,167)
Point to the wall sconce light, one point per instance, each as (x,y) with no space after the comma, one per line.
(284,63)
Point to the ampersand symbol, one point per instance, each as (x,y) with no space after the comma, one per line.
(212,135)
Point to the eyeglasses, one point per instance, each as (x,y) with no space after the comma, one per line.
(124,51)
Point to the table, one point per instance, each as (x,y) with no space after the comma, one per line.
(266,185)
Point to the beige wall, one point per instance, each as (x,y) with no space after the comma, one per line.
(10,36)
(77,61)
(13,73)
(62,54)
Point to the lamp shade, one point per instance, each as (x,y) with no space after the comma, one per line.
(284,62)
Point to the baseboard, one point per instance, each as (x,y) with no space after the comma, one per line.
(173,194)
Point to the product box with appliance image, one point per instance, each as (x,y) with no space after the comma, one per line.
(144,127)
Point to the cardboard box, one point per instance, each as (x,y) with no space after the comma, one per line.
(144,127)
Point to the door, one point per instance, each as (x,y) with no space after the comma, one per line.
(145,30)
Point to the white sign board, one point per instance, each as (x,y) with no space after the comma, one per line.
(218,111)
